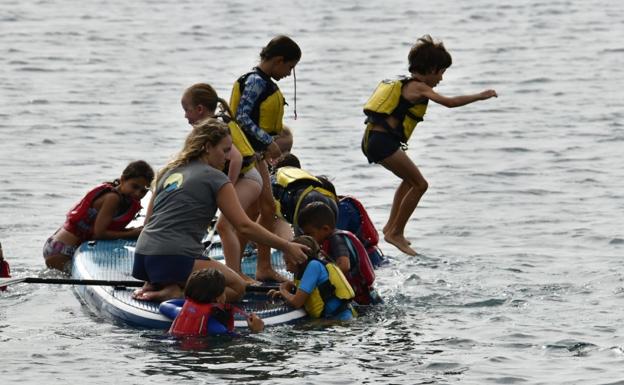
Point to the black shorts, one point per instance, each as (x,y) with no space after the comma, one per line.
(377,145)
(163,269)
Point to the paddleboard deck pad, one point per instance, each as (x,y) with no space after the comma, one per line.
(113,260)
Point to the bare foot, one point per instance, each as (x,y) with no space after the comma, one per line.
(138,293)
(400,243)
(248,280)
(166,293)
(385,232)
(269,276)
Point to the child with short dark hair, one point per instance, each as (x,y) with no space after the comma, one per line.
(393,111)
(319,286)
(204,311)
(342,247)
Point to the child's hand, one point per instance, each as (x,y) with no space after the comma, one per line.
(255,323)
(287,286)
(488,94)
(274,294)
(135,231)
(273,151)
(296,253)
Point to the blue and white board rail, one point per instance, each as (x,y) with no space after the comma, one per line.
(113,260)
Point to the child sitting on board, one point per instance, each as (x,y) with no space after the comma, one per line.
(319,286)
(204,312)
(103,213)
(343,248)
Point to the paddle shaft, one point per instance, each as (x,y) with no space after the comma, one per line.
(101,282)
(95,282)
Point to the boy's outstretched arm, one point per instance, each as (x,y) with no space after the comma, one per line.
(458,101)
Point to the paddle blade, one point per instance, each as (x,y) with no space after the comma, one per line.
(4,282)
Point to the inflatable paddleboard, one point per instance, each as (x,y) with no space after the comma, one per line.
(113,260)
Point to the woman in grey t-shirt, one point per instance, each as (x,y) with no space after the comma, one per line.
(187,194)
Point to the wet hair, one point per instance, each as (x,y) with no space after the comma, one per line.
(205,285)
(207,131)
(314,252)
(317,214)
(288,160)
(327,184)
(204,94)
(428,56)
(281,46)
(136,169)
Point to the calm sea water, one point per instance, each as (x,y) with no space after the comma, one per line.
(519,277)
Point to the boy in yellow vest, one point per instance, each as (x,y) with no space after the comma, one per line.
(392,113)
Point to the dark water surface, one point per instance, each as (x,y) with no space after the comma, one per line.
(519,277)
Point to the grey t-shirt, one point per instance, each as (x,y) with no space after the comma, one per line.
(185,203)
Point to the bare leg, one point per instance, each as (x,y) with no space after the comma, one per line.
(248,191)
(234,284)
(400,193)
(407,196)
(264,270)
(57,261)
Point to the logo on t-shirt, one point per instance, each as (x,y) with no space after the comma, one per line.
(173,182)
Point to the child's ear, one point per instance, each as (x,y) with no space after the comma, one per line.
(221,299)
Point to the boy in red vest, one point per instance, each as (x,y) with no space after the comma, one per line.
(204,311)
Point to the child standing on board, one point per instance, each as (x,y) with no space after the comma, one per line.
(392,113)
(200,102)
(204,311)
(319,285)
(103,213)
(258,105)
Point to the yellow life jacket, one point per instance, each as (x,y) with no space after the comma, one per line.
(337,286)
(289,181)
(269,109)
(386,101)
(239,140)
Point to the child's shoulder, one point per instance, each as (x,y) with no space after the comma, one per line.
(415,90)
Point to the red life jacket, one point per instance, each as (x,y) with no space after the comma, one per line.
(193,318)
(81,218)
(367,232)
(5,272)
(361,276)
